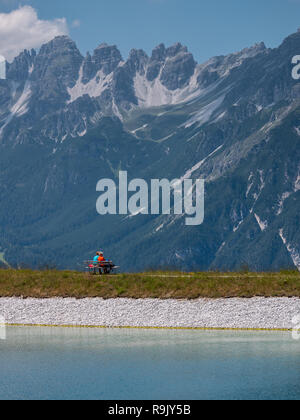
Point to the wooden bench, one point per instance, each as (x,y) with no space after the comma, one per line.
(105,267)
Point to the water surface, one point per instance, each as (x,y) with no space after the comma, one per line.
(62,363)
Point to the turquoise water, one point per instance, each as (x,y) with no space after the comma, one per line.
(58,363)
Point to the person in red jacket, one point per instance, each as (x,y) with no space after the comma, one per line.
(101,257)
(101,260)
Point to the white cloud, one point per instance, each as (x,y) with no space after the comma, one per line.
(22,29)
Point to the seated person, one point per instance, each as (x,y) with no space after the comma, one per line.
(101,259)
(96,257)
(96,261)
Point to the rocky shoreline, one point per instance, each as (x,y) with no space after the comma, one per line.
(264,313)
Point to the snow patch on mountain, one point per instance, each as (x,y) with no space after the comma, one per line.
(287,194)
(20,107)
(295,255)
(236,228)
(250,184)
(159,228)
(82,133)
(297,129)
(221,247)
(204,115)
(195,168)
(262,224)
(94,88)
(283,198)
(154,93)
(261,187)
(297,184)
(219,117)
(14,89)
(139,129)
(237,216)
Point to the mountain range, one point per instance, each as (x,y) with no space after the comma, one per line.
(67,121)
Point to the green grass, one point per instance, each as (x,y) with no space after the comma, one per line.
(52,283)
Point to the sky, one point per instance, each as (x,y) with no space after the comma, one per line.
(207,27)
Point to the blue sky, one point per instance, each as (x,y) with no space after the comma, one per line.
(207,27)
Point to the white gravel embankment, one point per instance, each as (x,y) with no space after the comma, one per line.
(219,313)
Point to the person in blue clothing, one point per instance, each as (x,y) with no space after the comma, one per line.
(96,262)
(96,257)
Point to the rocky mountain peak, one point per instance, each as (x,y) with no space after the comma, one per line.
(58,57)
(137,62)
(261,46)
(175,65)
(176,49)
(178,68)
(107,58)
(221,66)
(159,53)
(56,68)
(252,51)
(292,43)
(20,68)
(59,44)
(88,69)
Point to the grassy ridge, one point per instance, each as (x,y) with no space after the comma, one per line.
(52,283)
